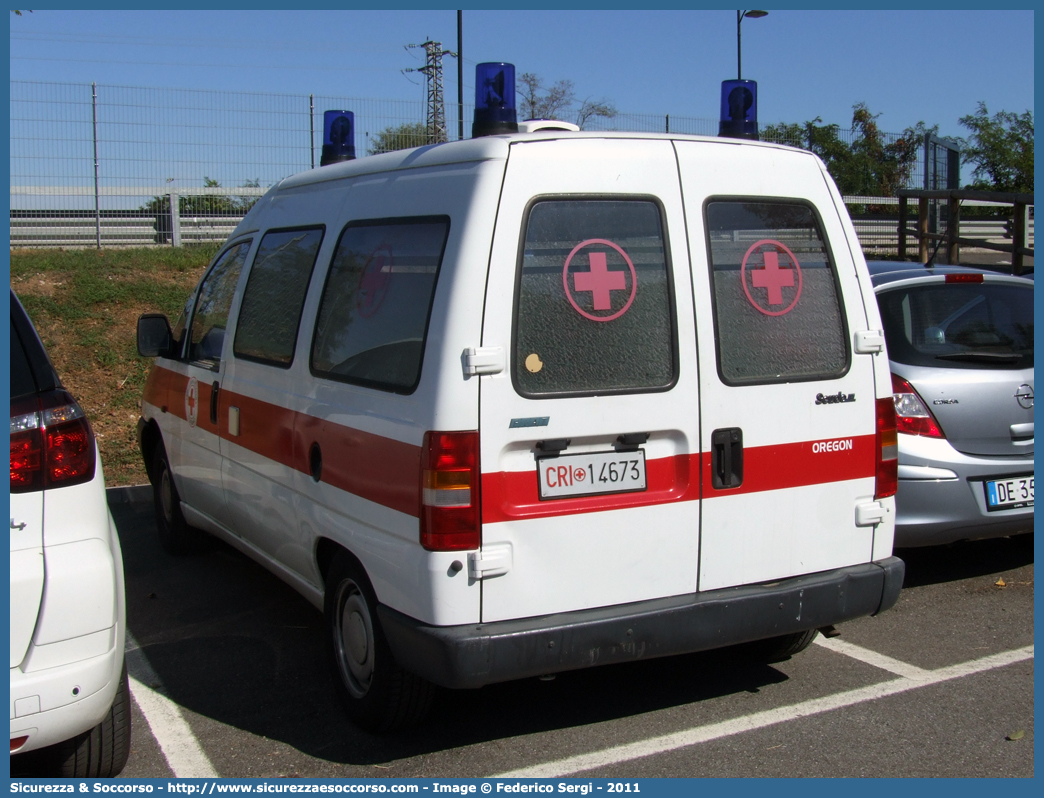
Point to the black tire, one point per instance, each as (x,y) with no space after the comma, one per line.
(378,695)
(175,534)
(777,649)
(100,753)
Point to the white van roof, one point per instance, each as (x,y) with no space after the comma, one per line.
(485,148)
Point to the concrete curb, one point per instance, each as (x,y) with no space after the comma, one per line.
(129,494)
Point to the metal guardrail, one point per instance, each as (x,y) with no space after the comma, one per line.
(878,236)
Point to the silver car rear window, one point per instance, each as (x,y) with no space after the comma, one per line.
(959,325)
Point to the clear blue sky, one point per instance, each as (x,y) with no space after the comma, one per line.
(907,66)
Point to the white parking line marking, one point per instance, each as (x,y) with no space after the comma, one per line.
(903,669)
(761,720)
(179,745)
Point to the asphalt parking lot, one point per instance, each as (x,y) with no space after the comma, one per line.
(229,680)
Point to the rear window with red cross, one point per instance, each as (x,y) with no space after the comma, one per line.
(594,310)
(777,311)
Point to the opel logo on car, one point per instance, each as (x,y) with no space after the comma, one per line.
(1024,395)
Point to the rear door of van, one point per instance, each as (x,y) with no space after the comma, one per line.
(789,411)
(590,435)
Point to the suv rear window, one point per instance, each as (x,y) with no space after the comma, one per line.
(373,317)
(959,325)
(594,309)
(777,312)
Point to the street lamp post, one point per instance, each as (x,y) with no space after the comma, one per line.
(739,49)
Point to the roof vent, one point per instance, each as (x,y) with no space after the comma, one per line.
(533,125)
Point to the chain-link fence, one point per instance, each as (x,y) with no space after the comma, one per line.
(118,165)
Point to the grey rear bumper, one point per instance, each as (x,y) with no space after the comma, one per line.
(478,654)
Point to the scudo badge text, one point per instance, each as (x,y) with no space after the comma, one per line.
(834,398)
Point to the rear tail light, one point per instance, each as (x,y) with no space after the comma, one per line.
(18,742)
(887,470)
(964,278)
(449,518)
(912,415)
(52,444)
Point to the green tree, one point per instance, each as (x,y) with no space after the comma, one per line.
(1001,149)
(558,101)
(399,137)
(870,165)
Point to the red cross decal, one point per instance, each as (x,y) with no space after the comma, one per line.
(374,282)
(773,278)
(599,281)
(191,400)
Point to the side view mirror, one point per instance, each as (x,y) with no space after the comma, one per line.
(155,338)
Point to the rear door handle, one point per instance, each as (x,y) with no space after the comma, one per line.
(727,458)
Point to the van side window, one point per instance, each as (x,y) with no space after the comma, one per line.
(275,294)
(373,316)
(777,312)
(207,333)
(594,310)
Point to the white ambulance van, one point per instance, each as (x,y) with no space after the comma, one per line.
(534,402)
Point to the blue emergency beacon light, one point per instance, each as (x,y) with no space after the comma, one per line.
(494,100)
(739,109)
(338,137)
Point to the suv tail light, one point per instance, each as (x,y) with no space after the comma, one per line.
(912,415)
(887,471)
(52,444)
(449,517)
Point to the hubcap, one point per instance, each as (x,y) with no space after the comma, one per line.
(166,500)
(355,641)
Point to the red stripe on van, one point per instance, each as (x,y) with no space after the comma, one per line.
(165,389)
(379,469)
(795,465)
(512,496)
(387,471)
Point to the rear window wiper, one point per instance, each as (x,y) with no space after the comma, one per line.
(993,358)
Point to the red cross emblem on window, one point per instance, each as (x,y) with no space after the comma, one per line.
(771,277)
(597,287)
(374,283)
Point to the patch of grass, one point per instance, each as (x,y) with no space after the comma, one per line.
(111,261)
(85,305)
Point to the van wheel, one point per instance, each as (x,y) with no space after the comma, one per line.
(175,535)
(100,753)
(378,695)
(777,649)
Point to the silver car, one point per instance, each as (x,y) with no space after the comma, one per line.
(960,343)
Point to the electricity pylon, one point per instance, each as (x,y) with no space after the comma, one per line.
(432,69)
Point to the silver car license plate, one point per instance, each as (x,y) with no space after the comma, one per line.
(1009,494)
(590,474)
